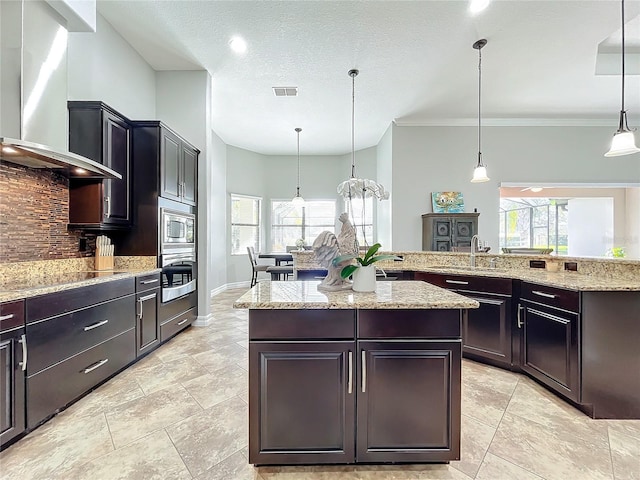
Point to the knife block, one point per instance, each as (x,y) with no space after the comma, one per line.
(102,262)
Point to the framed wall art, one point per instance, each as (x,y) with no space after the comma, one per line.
(447,202)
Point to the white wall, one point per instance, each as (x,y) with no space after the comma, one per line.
(631,243)
(384,175)
(103,66)
(590,226)
(428,159)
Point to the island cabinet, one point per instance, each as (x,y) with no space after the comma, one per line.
(487,330)
(13,362)
(354,386)
(100,133)
(77,339)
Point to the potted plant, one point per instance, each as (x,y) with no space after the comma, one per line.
(364,270)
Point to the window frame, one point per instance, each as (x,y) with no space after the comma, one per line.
(304,227)
(258,226)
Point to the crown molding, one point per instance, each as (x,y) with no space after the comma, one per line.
(509,122)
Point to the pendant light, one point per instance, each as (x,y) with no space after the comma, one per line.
(298,200)
(624,142)
(358,187)
(480,172)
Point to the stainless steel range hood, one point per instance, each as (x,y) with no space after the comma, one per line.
(33,92)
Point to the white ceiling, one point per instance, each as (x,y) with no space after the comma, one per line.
(416,61)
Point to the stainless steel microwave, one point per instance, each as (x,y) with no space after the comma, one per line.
(178,230)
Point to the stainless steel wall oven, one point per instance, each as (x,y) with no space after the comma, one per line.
(178,254)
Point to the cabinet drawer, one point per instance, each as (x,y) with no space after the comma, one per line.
(409,323)
(55,387)
(11,315)
(553,297)
(473,283)
(44,306)
(147,282)
(53,340)
(301,324)
(177,324)
(166,311)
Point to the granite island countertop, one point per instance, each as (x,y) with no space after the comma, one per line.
(34,285)
(296,295)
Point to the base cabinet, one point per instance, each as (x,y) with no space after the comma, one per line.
(309,373)
(147,324)
(12,375)
(407,401)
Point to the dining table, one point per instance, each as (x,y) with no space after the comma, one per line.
(278,257)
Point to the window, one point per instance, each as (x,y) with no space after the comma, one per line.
(245,223)
(289,222)
(361,214)
(534,223)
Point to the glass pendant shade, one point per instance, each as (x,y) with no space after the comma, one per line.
(480,174)
(297,200)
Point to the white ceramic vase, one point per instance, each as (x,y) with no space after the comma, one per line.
(364,279)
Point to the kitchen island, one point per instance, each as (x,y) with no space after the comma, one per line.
(346,377)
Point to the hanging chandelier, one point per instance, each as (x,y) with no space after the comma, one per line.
(480,172)
(297,199)
(358,187)
(623,142)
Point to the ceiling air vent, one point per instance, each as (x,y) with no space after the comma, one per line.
(285,91)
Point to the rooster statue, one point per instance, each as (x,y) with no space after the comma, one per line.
(327,246)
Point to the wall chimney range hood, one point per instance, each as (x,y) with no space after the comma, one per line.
(33,92)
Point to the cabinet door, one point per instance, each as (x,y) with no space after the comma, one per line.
(170,161)
(147,325)
(550,348)
(408,401)
(117,203)
(301,402)
(442,234)
(486,331)
(463,231)
(189,189)
(12,380)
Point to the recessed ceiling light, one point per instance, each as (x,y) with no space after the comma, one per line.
(80,170)
(476,6)
(7,149)
(238,45)
(536,189)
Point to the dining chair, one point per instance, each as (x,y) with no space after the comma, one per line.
(255,267)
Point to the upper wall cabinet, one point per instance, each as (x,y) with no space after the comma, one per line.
(98,132)
(178,168)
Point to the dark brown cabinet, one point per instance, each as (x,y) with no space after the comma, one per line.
(309,373)
(147,324)
(178,168)
(487,330)
(98,132)
(403,415)
(78,338)
(13,359)
(442,231)
(550,319)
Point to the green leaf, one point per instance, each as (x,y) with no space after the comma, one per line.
(342,258)
(370,253)
(348,270)
(383,257)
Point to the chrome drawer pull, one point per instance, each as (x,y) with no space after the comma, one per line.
(147,297)
(457,282)
(95,325)
(95,365)
(182,322)
(542,294)
(350,381)
(364,371)
(23,341)
(520,322)
(147,282)
(6,317)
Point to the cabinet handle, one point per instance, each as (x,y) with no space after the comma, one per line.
(95,325)
(364,371)
(457,282)
(553,318)
(23,341)
(350,374)
(542,294)
(144,299)
(182,322)
(107,202)
(147,282)
(6,317)
(95,365)
(519,317)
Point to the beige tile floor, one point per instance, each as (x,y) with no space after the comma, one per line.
(181,413)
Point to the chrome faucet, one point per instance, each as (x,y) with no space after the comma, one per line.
(474,242)
(492,263)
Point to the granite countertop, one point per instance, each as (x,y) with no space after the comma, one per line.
(34,285)
(388,295)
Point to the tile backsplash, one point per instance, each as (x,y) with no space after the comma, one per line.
(34,212)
